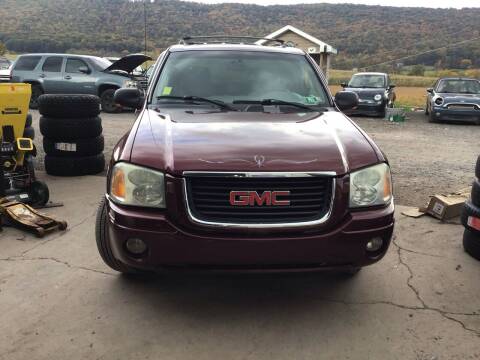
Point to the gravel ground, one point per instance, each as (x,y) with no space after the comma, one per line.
(426,158)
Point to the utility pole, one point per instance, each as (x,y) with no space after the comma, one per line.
(145,22)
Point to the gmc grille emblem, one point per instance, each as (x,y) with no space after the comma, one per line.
(252,198)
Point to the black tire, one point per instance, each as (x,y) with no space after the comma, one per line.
(351,272)
(108,103)
(37,91)
(471,243)
(69,106)
(80,147)
(28,121)
(103,242)
(469,210)
(427,112)
(70,129)
(29,132)
(476,193)
(431,118)
(382,114)
(477,168)
(39,193)
(74,166)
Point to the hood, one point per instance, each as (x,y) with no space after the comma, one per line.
(460,98)
(182,141)
(128,63)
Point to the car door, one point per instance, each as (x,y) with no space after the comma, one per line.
(51,74)
(78,78)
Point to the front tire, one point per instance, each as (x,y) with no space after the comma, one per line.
(103,242)
(431,118)
(351,272)
(383,113)
(471,243)
(107,102)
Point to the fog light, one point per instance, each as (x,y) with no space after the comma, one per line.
(136,246)
(375,244)
(437,114)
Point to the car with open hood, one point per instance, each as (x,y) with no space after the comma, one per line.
(241,160)
(375,92)
(454,100)
(78,74)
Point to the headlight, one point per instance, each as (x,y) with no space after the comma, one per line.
(138,186)
(371,186)
(377,97)
(439,101)
(130,84)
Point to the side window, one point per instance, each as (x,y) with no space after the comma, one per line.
(73,66)
(53,64)
(27,63)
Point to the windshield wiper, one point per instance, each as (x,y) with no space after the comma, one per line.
(192,98)
(276,102)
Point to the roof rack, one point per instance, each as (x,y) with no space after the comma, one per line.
(225,39)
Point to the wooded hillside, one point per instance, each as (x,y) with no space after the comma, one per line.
(364,35)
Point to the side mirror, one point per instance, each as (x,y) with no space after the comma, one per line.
(430,90)
(346,100)
(84,69)
(129,97)
(343,84)
(393,86)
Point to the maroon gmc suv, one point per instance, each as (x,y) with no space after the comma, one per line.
(240,159)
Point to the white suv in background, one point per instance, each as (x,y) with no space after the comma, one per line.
(5,69)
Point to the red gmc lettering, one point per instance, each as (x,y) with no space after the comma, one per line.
(252,198)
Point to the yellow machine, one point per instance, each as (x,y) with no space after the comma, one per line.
(14,100)
(17,174)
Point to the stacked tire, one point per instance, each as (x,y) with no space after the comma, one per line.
(471,218)
(72,134)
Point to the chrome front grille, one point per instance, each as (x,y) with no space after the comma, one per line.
(309,197)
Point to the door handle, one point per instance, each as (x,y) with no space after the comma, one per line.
(42,75)
(68,77)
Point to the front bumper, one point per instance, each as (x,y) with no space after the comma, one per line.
(369,109)
(445,114)
(172,247)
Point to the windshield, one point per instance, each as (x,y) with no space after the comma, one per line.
(234,76)
(367,81)
(459,86)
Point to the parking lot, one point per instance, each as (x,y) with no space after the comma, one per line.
(58,299)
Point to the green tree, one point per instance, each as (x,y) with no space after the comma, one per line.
(3,48)
(417,70)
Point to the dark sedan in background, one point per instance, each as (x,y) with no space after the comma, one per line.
(375,92)
(454,99)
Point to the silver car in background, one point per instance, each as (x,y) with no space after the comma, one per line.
(77,74)
(454,100)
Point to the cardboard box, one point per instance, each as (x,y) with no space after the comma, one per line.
(445,207)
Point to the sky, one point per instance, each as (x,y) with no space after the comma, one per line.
(416,3)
